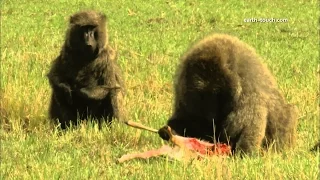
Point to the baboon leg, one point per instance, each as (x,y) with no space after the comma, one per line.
(68,118)
(54,109)
(61,113)
(247,128)
(56,113)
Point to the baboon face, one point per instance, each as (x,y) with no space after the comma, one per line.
(87,32)
(85,38)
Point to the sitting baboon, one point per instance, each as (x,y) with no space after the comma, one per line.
(224,93)
(85,79)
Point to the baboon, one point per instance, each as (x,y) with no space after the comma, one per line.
(86,82)
(224,93)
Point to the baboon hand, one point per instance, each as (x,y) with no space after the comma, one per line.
(67,91)
(164,133)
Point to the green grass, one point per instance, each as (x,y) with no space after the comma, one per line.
(150,36)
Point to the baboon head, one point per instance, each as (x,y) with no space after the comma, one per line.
(87,32)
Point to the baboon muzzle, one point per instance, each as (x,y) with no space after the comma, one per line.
(89,40)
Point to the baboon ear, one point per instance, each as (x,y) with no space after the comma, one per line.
(103,17)
(72,19)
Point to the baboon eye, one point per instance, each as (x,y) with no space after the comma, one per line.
(95,34)
(84,35)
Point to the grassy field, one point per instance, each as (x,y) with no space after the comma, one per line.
(150,36)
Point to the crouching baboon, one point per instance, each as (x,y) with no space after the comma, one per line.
(85,79)
(224,93)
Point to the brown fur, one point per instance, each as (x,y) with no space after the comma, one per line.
(224,93)
(85,79)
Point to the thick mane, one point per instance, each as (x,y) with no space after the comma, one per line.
(87,18)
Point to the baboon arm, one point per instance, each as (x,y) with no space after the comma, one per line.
(63,90)
(246,126)
(117,102)
(118,77)
(96,93)
(57,80)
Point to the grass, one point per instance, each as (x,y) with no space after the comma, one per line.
(150,36)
